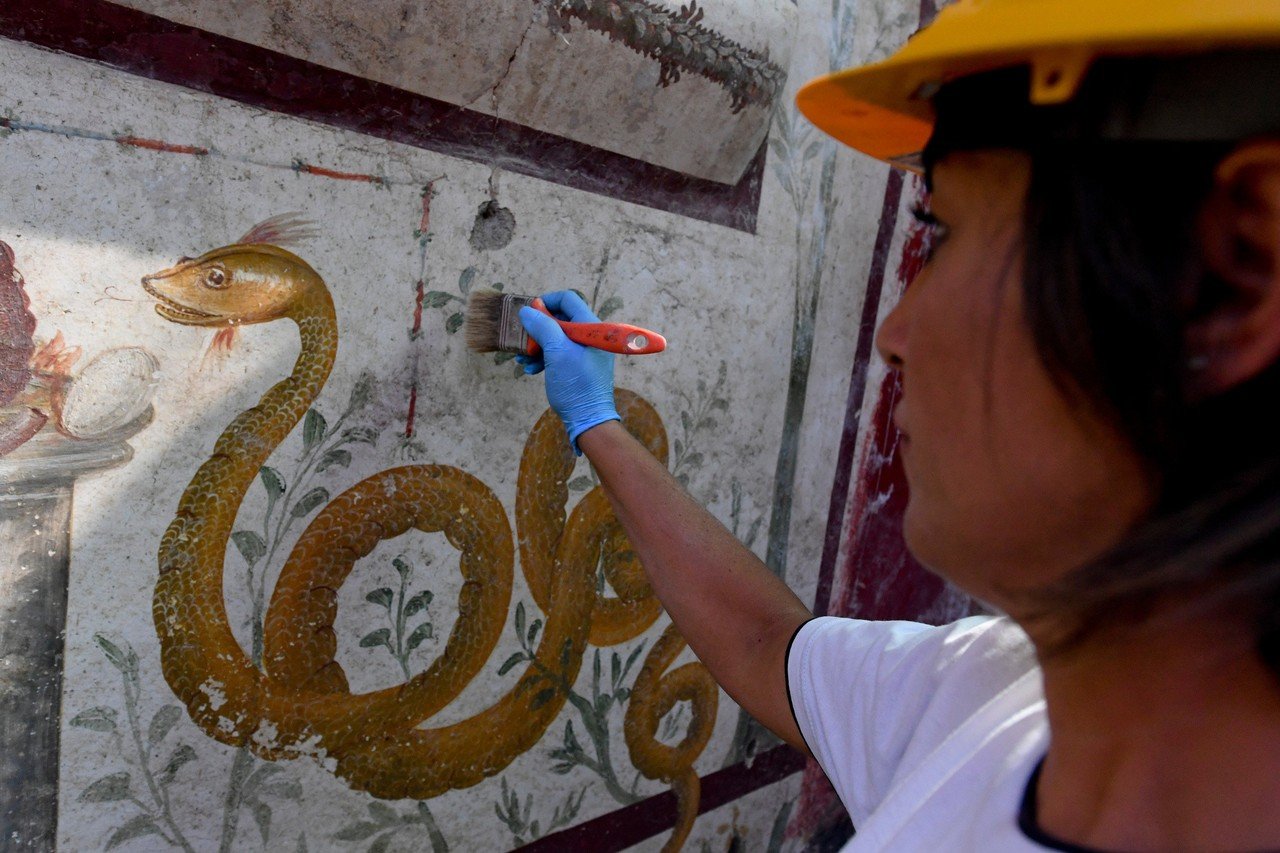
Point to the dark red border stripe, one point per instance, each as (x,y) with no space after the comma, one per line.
(857,391)
(632,824)
(153,47)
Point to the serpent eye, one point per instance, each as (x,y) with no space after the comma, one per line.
(216,278)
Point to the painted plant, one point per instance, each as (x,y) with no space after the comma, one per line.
(287,696)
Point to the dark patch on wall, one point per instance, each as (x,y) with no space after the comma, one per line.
(680,42)
(494,228)
(34,522)
(152,47)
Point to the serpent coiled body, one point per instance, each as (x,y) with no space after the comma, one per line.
(299,702)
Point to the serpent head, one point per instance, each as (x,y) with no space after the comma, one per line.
(236,285)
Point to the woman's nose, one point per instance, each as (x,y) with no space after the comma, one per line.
(891,339)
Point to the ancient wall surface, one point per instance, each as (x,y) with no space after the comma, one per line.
(392,611)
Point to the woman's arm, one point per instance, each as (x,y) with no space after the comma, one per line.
(735,614)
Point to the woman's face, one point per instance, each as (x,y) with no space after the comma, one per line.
(1013,484)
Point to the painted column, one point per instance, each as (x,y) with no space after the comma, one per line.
(37,482)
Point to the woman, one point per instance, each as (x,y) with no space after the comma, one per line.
(1091,374)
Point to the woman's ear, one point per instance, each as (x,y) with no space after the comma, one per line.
(1237,335)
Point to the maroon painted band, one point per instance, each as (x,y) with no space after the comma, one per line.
(152,47)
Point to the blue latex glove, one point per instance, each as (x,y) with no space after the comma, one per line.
(579,379)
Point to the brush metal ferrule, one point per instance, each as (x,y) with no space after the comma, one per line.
(511,334)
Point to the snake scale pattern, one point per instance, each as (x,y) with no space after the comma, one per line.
(299,702)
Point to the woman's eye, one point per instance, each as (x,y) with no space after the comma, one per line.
(937,232)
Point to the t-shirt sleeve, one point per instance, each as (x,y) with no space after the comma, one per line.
(872,697)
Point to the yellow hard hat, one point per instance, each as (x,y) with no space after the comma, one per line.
(884,109)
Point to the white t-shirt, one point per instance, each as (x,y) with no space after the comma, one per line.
(929,735)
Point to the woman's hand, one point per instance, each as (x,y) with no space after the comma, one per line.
(579,379)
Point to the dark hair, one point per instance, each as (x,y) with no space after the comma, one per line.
(1112,279)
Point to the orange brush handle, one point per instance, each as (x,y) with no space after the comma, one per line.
(619,338)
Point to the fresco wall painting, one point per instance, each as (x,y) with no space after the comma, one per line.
(252,609)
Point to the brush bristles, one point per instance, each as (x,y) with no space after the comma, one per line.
(493,322)
(484,320)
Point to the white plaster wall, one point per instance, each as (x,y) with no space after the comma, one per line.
(516,60)
(88,218)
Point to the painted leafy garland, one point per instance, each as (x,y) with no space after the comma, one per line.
(680,42)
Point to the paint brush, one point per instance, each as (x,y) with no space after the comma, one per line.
(493,325)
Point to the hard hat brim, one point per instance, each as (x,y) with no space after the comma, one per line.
(884,109)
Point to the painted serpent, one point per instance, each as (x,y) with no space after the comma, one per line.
(299,702)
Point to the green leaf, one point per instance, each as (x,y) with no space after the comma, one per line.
(778,146)
(571,742)
(520,619)
(693,459)
(162,723)
(542,698)
(119,659)
(336,456)
(135,828)
(420,635)
(181,756)
(722,405)
(272,482)
(679,448)
(464,280)
(250,545)
(686,421)
(562,768)
(383,596)
(632,658)
(356,831)
(380,637)
(418,603)
(784,177)
(108,789)
(615,669)
(381,843)
(580,484)
(610,307)
(96,719)
(708,423)
(262,817)
(361,392)
(534,628)
(310,501)
(302,844)
(566,653)
(314,426)
(383,813)
(454,323)
(595,668)
(510,662)
(283,789)
(402,566)
(437,298)
(257,778)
